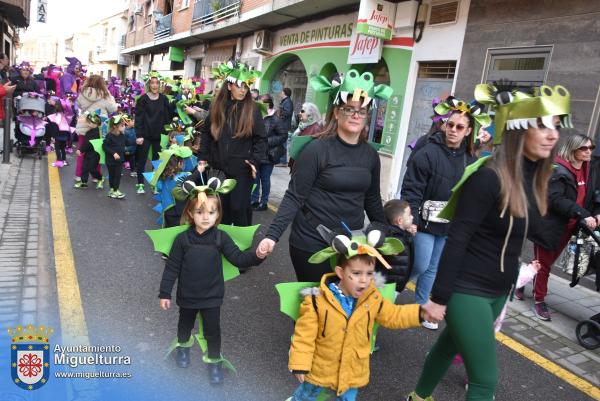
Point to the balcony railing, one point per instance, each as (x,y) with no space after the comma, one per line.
(207,11)
(163,27)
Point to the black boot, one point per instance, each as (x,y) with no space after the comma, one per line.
(215,373)
(182,356)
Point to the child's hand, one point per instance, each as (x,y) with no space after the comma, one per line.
(264,248)
(116,156)
(536,265)
(78,152)
(252,169)
(300,377)
(139,141)
(433,312)
(165,304)
(412,229)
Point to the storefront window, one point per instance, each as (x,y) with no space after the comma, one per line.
(381,75)
(291,75)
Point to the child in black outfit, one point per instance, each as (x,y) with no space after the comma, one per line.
(195,262)
(91,158)
(398,215)
(59,129)
(114,147)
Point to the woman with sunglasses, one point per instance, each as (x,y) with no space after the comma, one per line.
(569,199)
(431,174)
(335,179)
(499,204)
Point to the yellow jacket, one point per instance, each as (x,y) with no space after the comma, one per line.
(335,350)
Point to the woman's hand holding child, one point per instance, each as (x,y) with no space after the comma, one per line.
(165,303)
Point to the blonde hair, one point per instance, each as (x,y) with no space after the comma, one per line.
(573,142)
(187,217)
(507,163)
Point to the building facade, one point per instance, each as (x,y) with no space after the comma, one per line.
(14,14)
(537,42)
(105,57)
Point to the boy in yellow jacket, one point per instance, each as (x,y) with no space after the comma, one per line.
(332,338)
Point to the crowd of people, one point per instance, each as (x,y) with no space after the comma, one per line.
(468,202)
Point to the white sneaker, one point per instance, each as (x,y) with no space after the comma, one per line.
(429,325)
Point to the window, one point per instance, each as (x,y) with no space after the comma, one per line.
(198,68)
(131,23)
(443,13)
(527,66)
(184,4)
(109,74)
(148,12)
(437,69)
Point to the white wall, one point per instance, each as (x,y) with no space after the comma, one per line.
(439,43)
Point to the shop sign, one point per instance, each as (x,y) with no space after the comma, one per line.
(375,18)
(42,11)
(316,34)
(364,49)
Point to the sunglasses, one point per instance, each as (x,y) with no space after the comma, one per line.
(459,127)
(584,148)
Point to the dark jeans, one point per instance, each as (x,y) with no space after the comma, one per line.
(141,156)
(60,149)
(114,174)
(90,163)
(211,323)
(306,271)
(263,183)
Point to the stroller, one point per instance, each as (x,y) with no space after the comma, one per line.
(580,258)
(30,126)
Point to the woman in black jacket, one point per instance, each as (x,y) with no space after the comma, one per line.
(152,113)
(233,139)
(335,180)
(431,174)
(24,81)
(569,199)
(276,137)
(494,211)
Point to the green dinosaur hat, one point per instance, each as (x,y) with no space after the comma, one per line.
(93,117)
(515,109)
(473,110)
(214,186)
(117,119)
(182,152)
(237,73)
(152,74)
(373,243)
(351,86)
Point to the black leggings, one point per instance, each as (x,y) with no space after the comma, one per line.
(211,322)
(236,205)
(114,175)
(60,149)
(141,156)
(89,167)
(306,271)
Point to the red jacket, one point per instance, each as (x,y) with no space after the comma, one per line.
(2,94)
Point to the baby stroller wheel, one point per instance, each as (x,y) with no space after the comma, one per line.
(588,334)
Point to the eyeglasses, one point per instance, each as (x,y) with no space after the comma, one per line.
(584,148)
(350,111)
(459,127)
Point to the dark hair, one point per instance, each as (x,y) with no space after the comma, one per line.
(394,208)
(174,166)
(287,91)
(244,114)
(266,98)
(364,258)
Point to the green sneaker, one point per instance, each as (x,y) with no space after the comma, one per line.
(413,397)
(154,191)
(100,184)
(140,189)
(119,195)
(111,193)
(80,185)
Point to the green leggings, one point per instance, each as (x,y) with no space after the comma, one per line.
(470,332)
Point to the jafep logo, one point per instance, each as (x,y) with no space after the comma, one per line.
(30,356)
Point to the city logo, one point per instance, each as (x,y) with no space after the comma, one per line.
(30,356)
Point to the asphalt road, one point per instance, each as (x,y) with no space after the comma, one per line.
(119,276)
